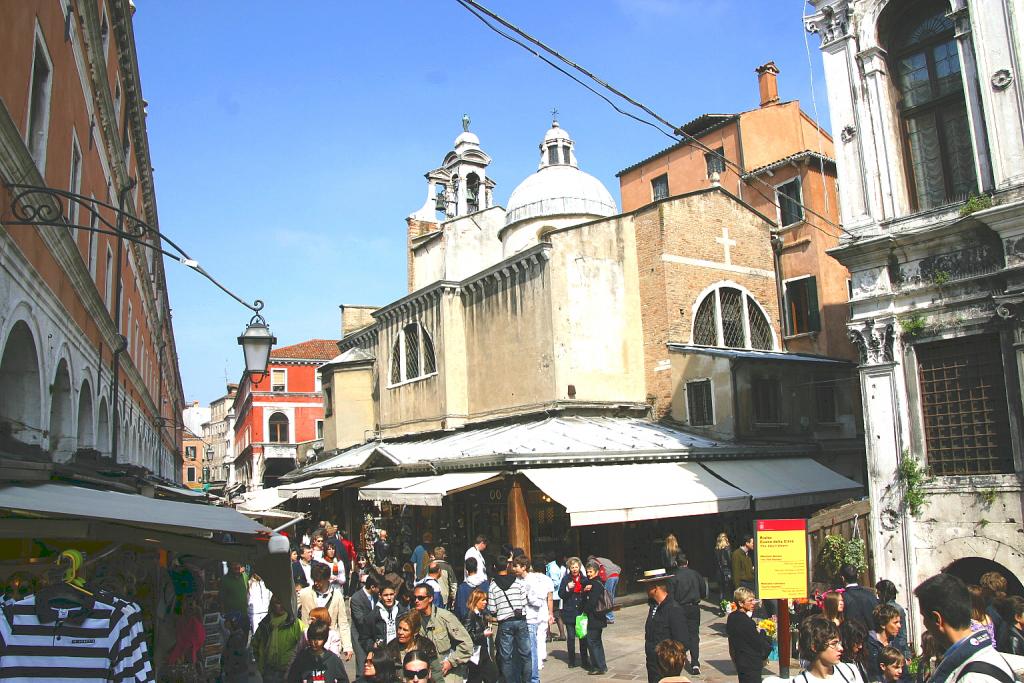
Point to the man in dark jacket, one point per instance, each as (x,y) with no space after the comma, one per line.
(860,602)
(362,604)
(688,589)
(665,620)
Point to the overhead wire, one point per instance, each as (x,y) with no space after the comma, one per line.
(475,8)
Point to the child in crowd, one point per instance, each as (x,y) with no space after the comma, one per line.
(891,662)
(315,663)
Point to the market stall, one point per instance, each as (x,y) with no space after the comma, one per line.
(77,552)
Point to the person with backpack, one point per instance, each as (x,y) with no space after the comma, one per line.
(665,620)
(970,656)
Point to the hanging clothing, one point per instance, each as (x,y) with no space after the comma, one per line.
(100,636)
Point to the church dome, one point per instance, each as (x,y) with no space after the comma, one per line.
(559,187)
(467,138)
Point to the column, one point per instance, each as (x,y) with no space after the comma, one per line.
(518,519)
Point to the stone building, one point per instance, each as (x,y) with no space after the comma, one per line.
(219,433)
(89,367)
(510,384)
(778,162)
(931,168)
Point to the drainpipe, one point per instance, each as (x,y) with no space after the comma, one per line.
(122,345)
(777,257)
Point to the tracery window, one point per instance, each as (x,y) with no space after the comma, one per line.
(412,354)
(925,66)
(731,318)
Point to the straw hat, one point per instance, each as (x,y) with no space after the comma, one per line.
(654,576)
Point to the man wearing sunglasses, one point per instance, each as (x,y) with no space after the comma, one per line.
(442,628)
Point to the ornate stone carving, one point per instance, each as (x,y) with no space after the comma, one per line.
(832,22)
(1002,79)
(875,342)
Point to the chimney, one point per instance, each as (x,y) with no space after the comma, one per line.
(355,317)
(767,83)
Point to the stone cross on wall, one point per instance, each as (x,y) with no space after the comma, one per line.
(727,244)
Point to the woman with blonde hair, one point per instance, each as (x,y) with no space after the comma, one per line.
(481,668)
(723,566)
(670,553)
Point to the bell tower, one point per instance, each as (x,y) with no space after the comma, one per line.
(460,186)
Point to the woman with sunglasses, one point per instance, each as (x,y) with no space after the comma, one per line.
(407,639)
(416,668)
(822,650)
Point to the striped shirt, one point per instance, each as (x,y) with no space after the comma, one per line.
(102,640)
(504,604)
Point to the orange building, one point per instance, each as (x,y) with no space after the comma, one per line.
(277,413)
(89,361)
(784,156)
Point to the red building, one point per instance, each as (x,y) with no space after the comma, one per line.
(274,415)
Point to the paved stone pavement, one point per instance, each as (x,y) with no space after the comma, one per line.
(624,648)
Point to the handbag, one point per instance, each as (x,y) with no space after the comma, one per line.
(581,626)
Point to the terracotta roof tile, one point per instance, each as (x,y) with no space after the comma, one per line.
(317,349)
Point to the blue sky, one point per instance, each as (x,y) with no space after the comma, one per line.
(289,140)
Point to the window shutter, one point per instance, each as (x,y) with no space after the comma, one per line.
(813,315)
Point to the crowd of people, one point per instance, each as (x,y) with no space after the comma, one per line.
(420,619)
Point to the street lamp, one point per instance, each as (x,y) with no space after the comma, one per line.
(41,206)
(256,341)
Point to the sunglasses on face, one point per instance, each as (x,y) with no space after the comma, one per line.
(417,598)
(419,673)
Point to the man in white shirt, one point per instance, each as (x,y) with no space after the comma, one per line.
(539,614)
(476,551)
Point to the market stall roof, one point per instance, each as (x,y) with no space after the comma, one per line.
(311,488)
(432,490)
(52,499)
(265,499)
(785,482)
(383,490)
(626,493)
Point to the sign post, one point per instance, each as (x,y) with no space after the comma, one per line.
(782,573)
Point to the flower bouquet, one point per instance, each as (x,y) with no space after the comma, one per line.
(727,606)
(770,629)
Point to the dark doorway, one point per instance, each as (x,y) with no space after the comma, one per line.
(970,569)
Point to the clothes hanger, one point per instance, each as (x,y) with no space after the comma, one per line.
(69,593)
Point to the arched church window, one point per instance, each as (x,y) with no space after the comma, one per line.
(731,318)
(412,355)
(926,71)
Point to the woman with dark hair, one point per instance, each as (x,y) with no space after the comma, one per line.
(821,649)
(671,660)
(833,607)
(379,667)
(886,590)
(416,667)
(481,666)
(853,635)
(408,639)
(979,615)
(596,620)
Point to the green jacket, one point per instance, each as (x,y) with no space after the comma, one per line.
(452,641)
(742,567)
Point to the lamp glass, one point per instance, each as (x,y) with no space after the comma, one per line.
(256,343)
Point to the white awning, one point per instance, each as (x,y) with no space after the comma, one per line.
(383,490)
(786,482)
(310,488)
(427,490)
(627,493)
(264,499)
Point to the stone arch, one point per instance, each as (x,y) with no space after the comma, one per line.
(21,393)
(62,431)
(970,569)
(103,428)
(86,433)
(746,294)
